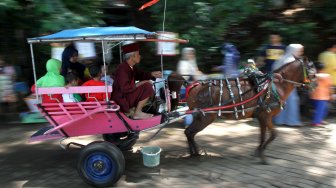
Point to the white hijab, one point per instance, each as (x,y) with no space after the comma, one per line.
(187,66)
(292,52)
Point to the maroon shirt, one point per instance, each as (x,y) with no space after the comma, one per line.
(125,93)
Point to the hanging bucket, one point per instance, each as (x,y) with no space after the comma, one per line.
(151,156)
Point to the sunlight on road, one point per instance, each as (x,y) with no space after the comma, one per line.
(316,171)
(333,134)
(242,126)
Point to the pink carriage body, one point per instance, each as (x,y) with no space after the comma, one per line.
(86,118)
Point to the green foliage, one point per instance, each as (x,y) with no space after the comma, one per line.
(7,6)
(21,19)
(58,15)
(246,23)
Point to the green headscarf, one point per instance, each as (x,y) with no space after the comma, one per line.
(53,78)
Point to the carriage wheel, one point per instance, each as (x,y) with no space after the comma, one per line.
(124,141)
(101,164)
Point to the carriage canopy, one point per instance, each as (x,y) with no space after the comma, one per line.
(102,34)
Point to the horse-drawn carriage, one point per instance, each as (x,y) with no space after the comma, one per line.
(102,163)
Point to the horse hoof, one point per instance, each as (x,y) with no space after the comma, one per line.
(194,155)
(257,153)
(264,162)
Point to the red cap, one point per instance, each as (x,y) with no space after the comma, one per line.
(132,47)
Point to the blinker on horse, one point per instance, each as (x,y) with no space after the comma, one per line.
(255,95)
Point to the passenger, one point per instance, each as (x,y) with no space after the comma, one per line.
(69,62)
(52,78)
(126,92)
(96,74)
(108,77)
(71,80)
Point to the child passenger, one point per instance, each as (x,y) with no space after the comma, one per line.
(71,79)
(96,74)
(321,95)
(52,78)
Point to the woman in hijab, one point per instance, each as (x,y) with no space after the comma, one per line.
(52,78)
(187,66)
(290,115)
(69,62)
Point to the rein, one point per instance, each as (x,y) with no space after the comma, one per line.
(295,83)
(306,81)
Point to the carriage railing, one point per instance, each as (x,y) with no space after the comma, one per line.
(63,114)
(73,89)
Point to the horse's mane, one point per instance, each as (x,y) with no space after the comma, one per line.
(283,67)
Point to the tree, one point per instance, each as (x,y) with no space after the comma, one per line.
(23,19)
(246,23)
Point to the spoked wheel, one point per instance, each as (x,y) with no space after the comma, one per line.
(101,164)
(124,141)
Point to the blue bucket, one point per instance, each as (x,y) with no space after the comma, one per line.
(151,156)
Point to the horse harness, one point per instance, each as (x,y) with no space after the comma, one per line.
(261,82)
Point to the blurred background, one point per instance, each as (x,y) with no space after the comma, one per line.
(206,24)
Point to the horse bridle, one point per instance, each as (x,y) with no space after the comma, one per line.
(309,72)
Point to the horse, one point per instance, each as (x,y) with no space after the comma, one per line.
(256,95)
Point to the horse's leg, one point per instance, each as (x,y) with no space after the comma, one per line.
(265,121)
(272,131)
(200,122)
(262,128)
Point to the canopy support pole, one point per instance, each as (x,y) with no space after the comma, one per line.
(34,70)
(120,55)
(106,93)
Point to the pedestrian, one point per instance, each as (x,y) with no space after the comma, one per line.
(328,58)
(187,65)
(290,115)
(272,52)
(231,60)
(321,95)
(7,92)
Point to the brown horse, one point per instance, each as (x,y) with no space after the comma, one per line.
(257,95)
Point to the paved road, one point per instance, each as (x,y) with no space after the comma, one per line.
(299,157)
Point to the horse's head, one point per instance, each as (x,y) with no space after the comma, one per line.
(299,72)
(309,72)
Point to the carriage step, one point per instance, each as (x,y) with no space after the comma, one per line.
(40,136)
(43,130)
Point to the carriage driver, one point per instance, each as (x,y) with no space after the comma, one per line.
(126,93)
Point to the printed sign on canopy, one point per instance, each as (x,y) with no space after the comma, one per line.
(167,48)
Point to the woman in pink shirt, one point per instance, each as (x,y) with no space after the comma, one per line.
(321,95)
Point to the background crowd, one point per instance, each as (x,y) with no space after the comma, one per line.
(223,46)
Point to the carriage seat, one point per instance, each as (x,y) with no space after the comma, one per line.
(74,108)
(53,91)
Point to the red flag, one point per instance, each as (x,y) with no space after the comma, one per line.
(150,3)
